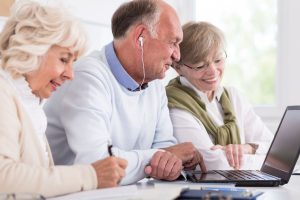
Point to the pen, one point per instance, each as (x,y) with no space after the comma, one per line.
(109,150)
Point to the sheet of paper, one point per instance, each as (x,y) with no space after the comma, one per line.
(109,193)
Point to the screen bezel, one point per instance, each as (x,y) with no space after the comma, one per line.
(285,176)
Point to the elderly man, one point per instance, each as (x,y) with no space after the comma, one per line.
(116,98)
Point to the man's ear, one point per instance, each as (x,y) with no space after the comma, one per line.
(139,35)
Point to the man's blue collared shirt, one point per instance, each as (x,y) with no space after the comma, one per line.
(118,70)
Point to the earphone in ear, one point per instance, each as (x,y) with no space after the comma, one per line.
(141,40)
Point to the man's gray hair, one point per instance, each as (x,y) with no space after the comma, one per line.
(135,12)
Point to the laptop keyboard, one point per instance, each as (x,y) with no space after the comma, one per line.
(244,175)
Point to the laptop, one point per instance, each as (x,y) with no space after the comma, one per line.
(277,166)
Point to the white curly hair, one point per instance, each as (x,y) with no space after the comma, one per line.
(31,30)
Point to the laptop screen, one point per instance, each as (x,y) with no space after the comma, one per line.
(284,150)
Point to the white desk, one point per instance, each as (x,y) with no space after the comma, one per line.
(290,191)
(169,190)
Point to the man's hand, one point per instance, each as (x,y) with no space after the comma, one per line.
(109,171)
(235,153)
(189,155)
(164,165)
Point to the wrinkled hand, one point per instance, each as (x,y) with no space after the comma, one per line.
(109,171)
(197,160)
(189,155)
(234,153)
(164,165)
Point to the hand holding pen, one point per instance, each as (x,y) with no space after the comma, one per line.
(110,170)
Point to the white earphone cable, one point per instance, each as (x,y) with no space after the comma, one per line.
(143,66)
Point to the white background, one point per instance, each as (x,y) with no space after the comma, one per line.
(96,15)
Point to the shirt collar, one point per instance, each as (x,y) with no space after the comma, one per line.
(22,87)
(118,70)
(202,95)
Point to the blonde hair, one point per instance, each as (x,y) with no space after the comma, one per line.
(31,30)
(199,39)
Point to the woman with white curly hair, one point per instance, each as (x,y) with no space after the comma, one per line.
(38,46)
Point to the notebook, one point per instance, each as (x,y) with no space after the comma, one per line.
(278,164)
(193,194)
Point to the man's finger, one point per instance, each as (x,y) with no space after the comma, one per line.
(148,170)
(155,163)
(170,166)
(161,167)
(201,163)
(176,170)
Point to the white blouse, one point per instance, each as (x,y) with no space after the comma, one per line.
(33,107)
(188,128)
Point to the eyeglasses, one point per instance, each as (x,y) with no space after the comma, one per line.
(21,196)
(204,65)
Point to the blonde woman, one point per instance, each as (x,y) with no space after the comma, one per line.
(218,120)
(38,46)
